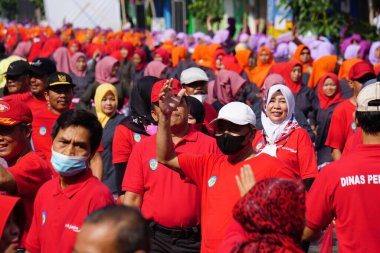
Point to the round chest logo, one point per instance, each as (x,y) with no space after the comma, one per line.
(153,164)
(4,106)
(43,130)
(137,137)
(259,145)
(353,126)
(212,180)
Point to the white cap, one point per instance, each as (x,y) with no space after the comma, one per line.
(237,113)
(368,99)
(193,74)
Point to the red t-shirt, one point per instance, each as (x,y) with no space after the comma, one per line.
(168,198)
(348,190)
(215,177)
(30,173)
(124,140)
(353,141)
(296,151)
(59,214)
(342,125)
(35,105)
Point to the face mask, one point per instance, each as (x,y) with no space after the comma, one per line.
(229,144)
(67,166)
(151,129)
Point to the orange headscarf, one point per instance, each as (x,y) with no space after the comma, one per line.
(297,56)
(377,68)
(168,46)
(322,66)
(208,55)
(179,54)
(260,72)
(242,57)
(346,66)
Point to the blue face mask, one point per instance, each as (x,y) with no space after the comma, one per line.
(67,166)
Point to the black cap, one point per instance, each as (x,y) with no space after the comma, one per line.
(59,78)
(42,66)
(18,68)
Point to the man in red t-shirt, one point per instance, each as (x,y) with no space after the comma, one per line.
(27,171)
(343,124)
(167,199)
(64,202)
(348,189)
(215,174)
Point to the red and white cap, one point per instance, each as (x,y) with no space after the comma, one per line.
(13,112)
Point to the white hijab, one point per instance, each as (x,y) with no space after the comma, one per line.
(274,131)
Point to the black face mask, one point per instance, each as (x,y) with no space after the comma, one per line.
(229,144)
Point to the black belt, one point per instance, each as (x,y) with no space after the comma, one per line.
(175,232)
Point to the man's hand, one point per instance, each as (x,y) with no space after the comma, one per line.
(246,180)
(168,101)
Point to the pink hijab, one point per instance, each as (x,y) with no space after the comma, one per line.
(154,68)
(61,57)
(103,70)
(23,49)
(73,65)
(227,85)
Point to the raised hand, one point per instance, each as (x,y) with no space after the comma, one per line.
(246,180)
(168,102)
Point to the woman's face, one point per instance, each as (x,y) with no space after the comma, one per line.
(218,62)
(74,48)
(115,69)
(191,120)
(296,74)
(377,52)
(251,61)
(264,57)
(158,57)
(11,236)
(329,87)
(136,59)
(305,55)
(81,64)
(277,109)
(108,104)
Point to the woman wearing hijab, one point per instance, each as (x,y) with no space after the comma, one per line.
(106,111)
(216,63)
(374,53)
(11,223)
(322,66)
(137,126)
(272,217)
(74,46)
(106,71)
(352,51)
(246,60)
(61,57)
(139,62)
(82,77)
(226,88)
(264,63)
(282,137)
(162,55)
(345,67)
(303,55)
(156,69)
(328,98)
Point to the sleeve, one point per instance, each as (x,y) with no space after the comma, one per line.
(29,176)
(33,244)
(133,180)
(335,137)
(101,199)
(235,235)
(312,112)
(302,121)
(319,211)
(306,156)
(193,167)
(121,146)
(85,99)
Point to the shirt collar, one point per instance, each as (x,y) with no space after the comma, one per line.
(73,188)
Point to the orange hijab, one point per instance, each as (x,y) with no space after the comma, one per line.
(322,66)
(297,56)
(242,57)
(377,68)
(209,55)
(260,72)
(346,66)
(178,54)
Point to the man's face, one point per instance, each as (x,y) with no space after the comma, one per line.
(13,140)
(17,84)
(59,98)
(196,88)
(96,238)
(73,141)
(37,84)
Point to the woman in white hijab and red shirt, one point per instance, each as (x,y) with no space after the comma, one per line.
(283,138)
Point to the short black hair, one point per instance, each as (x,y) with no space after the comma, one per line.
(369,121)
(84,119)
(133,232)
(366,77)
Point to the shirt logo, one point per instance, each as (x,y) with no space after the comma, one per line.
(72,227)
(43,130)
(211,182)
(137,137)
(4,106)
(259,145)
(353,126)
(43,218)
(153,164)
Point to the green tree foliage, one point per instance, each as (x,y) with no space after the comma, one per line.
(201,9)
(8,9)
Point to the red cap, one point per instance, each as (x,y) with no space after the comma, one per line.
(157,87)
(360,69)
(13,112)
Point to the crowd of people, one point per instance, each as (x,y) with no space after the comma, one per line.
(137,141)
